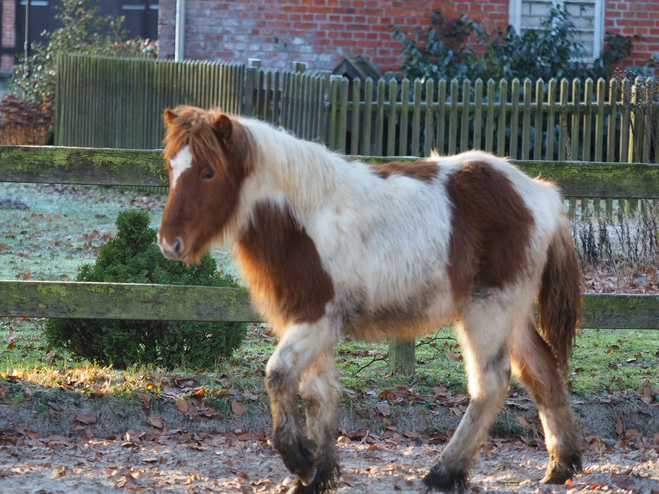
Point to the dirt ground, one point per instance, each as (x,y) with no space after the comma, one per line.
(182,462)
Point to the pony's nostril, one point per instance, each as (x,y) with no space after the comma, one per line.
(178,245)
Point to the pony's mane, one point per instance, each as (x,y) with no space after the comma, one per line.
(306,171)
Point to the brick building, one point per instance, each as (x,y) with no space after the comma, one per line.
(8,34)
(322,32)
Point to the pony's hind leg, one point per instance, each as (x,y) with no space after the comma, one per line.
(297,350)
(483,334)
(536,367)
(321,391)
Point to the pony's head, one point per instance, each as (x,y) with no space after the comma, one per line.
(208,157)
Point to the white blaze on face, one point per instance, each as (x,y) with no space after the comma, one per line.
(179,163)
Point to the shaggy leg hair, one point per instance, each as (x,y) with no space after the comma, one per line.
(536,367)
(488,371)
(321,391)
(303,351)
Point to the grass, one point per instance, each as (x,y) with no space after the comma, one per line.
(63,228)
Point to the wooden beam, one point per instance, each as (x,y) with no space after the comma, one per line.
(63,165)
(202,303)
(66,299)
(618,311)
(43,164)
(587,179)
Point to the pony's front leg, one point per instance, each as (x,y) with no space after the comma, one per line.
(321,391)
(297,350)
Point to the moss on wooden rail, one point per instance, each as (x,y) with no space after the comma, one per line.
(617,311)
(35,164)
(61,165)
(587,178)
(124,301)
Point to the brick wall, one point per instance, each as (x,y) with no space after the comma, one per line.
(629,17)
(318,32)
(8,33)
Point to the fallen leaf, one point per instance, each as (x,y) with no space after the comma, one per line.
(647,395)
(207,412)
(59,472)
(619,428)
(383,408)
(86,418)
(155,421)
(237,408)
(127,482)
(182,405)
(145,399)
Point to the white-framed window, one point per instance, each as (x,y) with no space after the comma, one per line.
(586,15)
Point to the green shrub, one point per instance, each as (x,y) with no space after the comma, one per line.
(84,31)
(444,50)
(134,257)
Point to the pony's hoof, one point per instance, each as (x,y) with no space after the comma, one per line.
(558,472)
(325,481)
(441,479)
(298,459)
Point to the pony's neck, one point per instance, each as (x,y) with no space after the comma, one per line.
(301,172)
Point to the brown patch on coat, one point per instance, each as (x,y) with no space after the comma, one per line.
(490,230)
(199,209)
(422,170)
(559,301)
(282,267)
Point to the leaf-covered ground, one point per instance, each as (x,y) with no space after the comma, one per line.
(243,462)
(66,426)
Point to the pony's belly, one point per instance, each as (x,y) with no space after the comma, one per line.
(415,313)
(373,329)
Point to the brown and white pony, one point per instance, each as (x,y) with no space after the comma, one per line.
(331,247)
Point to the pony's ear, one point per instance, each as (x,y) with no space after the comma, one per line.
(169,117)
(223,126)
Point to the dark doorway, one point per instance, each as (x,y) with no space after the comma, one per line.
(141,18)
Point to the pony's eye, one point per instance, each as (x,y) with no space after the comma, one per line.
(209,174)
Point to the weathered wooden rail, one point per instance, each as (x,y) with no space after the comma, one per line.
(167,302)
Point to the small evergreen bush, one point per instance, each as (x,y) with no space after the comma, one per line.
(134,257)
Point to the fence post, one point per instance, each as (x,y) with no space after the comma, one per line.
(334,82)
(401,357)
(299,67)
(251,81)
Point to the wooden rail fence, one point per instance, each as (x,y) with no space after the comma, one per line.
(165,302)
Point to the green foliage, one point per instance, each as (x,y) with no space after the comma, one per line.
(133,257)
(444,50)
(84,31)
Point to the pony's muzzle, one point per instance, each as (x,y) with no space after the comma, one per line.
(173,252)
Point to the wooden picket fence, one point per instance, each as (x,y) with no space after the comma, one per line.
(117,167)
(110,102)
(592,120)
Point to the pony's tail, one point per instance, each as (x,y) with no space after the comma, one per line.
(559,301)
